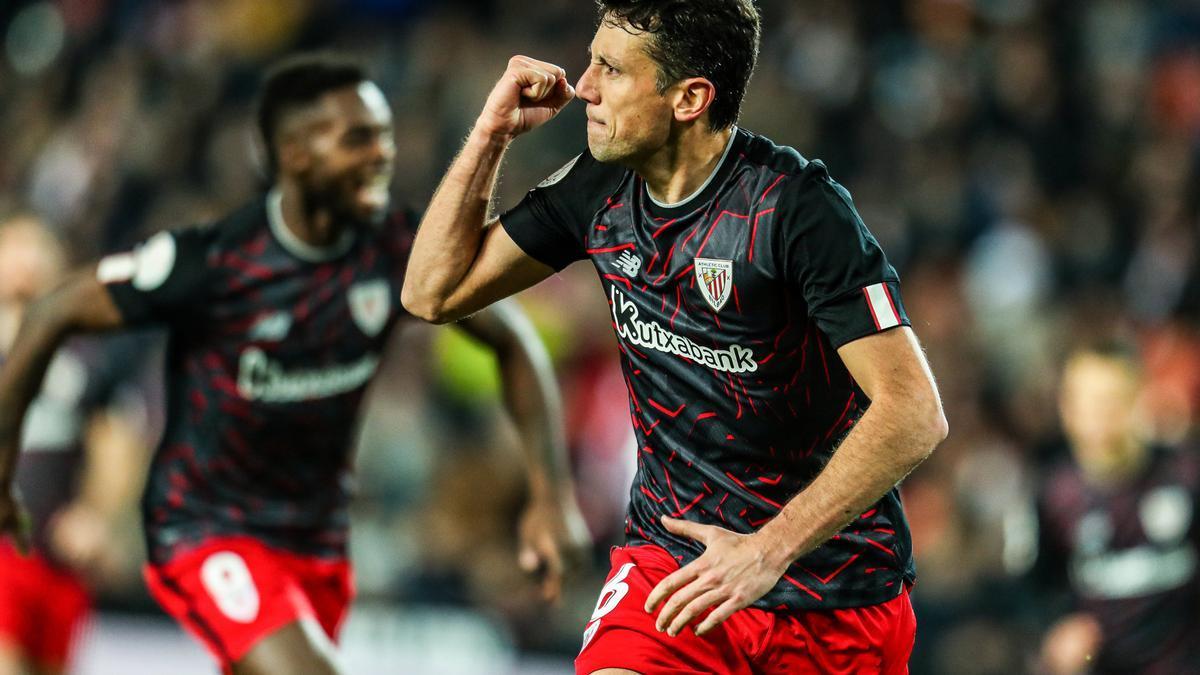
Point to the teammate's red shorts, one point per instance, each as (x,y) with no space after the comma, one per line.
(863,641)
(234,591)
(42,607)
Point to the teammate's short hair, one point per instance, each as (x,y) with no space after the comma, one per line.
(299,81)
(714,39)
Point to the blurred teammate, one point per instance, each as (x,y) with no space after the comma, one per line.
(1118,526)
(760,328)
(78,472)
(277,317)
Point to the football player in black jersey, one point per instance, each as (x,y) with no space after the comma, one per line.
(1118,539)
(777,392)
(277,318)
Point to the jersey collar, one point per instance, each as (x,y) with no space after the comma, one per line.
(710,185)
(296,246)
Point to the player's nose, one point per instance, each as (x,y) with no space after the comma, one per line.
(585,88)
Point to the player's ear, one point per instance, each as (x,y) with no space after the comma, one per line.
(692,97)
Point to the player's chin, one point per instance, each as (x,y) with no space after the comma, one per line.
(368,206)
(602,150)
(369,213)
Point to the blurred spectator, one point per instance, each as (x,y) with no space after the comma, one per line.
(1118,542)
(79,472)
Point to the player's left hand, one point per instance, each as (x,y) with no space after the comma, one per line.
(734,571)
(82,537)
(552,538)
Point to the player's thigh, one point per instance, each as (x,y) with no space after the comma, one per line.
(614,671)
(298,648)
(621,636)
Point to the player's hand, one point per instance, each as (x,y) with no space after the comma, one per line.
(552,538)
(14,521)
(81,536)
(529,94)
(1071,645)
(734,571)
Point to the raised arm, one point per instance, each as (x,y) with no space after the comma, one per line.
(461,263)
(551,529)
(80,304)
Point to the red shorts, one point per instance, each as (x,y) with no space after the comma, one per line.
(234,591)
(863,640)
(42,607)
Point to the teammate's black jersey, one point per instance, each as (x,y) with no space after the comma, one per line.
(728,309)
(1131,555)
(272,345)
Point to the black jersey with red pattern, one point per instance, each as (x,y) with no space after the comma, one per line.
(272,344)
(1131,555)
(729,308)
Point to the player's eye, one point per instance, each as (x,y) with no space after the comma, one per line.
(357,136)
(606,67)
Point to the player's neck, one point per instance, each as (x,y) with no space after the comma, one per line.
(679,169)
(313,226)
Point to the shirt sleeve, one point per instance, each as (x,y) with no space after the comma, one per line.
(551,223)
(163,280)
(833,259)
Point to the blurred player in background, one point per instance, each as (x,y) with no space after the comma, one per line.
(1118,528)
(760,326)
(278,315)
(80,468)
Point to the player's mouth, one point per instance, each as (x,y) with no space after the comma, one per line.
(373,193)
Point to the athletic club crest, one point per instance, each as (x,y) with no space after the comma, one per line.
(716,280)
(370,305)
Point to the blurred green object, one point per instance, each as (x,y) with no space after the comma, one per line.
(466,371)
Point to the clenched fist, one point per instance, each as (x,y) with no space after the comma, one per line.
(529,94)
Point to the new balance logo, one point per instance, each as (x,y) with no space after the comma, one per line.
(628,263)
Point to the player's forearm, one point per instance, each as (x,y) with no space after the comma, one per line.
(80,304)
(886,444)
(451,233)
(42,331)
(532,398)
(115,465)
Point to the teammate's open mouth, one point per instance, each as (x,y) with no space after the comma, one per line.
(373,191)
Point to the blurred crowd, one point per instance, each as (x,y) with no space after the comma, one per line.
(1031,168)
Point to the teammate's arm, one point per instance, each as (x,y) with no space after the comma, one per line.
(80,304)
(551,530)
(85,530)
(461,263)
(897,432)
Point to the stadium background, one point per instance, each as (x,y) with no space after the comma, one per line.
(1029,166)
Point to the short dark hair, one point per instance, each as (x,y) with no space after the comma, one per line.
(298,81)
(714,39)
